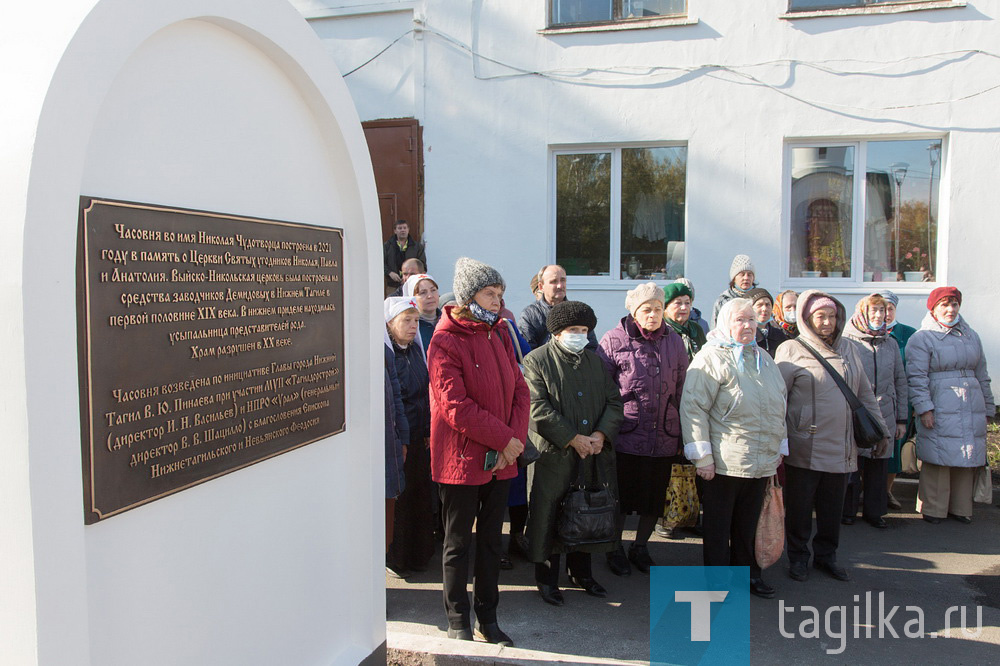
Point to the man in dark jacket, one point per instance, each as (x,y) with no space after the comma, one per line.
(552,287)
(398,249)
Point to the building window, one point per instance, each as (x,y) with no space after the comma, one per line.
(891,213)
(810,5)
(570,12)
(620,211)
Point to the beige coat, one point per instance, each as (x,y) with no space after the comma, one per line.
(734,420)
(820,430)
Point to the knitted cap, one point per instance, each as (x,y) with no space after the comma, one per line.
(471,276)
(741,262)
(758,293)
(942,293)
(570,313)
(396,305)
(650,291)
(889,296)
(819,303)
(676,289)
(687,283)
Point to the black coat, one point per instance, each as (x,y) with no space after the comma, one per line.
(393,257)
(770,337)
(414,385)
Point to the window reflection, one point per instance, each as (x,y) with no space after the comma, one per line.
(652,229)
(822,208)
(583,213)
(902,180)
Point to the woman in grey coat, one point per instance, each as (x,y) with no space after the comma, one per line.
(883,365)
(950,391)
(821,448)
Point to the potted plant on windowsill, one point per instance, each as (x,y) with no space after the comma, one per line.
(830,262)
(913,265)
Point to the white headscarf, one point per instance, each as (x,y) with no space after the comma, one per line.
(393,307)
(720,336)
(410,286)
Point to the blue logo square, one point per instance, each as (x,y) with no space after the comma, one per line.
(699,615)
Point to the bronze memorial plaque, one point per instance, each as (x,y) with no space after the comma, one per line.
(208,342)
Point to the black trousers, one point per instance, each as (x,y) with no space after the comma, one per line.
(872,477)
(413,531)
(577,562)
(805,490)
(732,507)
(461,506)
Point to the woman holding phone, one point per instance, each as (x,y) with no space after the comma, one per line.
(479,423)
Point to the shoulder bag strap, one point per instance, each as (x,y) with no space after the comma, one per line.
(852,399)
(514,341)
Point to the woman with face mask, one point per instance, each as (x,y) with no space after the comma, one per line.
(733,420)
(769,335)
(883,365)
(901,333)
(784,313)
(576,411)
(821,448)
(951,394)
(647,361)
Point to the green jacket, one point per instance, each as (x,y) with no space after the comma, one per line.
(570,394)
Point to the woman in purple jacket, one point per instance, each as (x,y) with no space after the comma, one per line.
(648,362)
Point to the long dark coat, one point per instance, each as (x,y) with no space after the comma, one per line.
(570,394)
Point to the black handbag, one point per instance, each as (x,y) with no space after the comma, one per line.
(587,516)
(868,431)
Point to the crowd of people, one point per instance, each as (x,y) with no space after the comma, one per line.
(486,416)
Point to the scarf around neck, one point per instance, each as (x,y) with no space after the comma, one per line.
(483,315)
(688,333)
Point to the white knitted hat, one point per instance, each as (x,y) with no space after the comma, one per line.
(741,262)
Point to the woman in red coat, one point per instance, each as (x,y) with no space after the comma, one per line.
(479,422)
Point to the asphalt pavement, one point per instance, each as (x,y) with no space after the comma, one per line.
(912,563)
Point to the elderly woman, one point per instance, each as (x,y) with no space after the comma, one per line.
(883,365)
(413,541)
(822,452)
(901,333)
(950,391)
(733,420)
(695,312)
(423,289)
(576,411)
(784,313)
(677,313)
(742,278)
(647,361)
(479,422)
(769,335)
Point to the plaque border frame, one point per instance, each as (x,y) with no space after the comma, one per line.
(87,204)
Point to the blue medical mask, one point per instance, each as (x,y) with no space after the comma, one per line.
(958,318)
(574,342)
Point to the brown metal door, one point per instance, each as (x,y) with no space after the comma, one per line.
(397,158)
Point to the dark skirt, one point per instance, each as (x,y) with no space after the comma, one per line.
(413,532)
(643,481)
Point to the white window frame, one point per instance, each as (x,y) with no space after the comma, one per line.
(856,283)
(614,279)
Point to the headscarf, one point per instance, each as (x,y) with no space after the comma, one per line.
(721,337)
(779,313)
(392,308)
(860,319)
(410,286)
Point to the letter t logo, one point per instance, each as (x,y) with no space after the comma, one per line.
(701,610)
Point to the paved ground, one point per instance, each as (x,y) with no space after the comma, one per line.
(913,563)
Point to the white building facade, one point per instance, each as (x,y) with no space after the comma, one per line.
(842,144)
